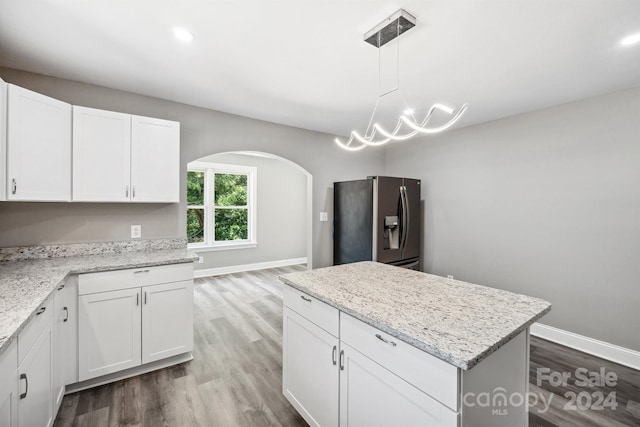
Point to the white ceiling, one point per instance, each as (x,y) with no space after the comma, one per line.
(304,63)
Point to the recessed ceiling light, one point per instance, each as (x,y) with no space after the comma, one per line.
(629,40)
(183,34)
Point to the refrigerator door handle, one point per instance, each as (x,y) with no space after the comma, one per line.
(405,216)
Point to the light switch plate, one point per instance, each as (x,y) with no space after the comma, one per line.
(136,231)
(324,216)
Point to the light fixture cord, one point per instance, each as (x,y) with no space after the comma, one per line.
(368,132)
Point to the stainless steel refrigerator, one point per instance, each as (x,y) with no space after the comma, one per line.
(377,219)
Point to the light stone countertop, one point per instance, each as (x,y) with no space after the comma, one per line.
(26,284)
(458,322)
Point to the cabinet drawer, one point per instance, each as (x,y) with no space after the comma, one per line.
(29,335)
(316,311)
(91,283)
(433,376)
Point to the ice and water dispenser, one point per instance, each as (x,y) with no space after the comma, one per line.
(391,237)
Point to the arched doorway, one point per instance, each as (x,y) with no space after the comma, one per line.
(283,215)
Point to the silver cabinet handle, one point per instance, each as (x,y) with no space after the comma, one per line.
(145,297)
(137,300)
(66,314)
(141,271)
(42,310)
(381,338)
(26,389)
(61,287)
(14,186)
(133,192)
(126,192)
(305,298)
(342,360)
(333,355)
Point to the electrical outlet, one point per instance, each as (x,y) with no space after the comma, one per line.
(449,276)
(324,216)
(136,231)
(200,259)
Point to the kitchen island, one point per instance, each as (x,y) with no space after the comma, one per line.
(371,344)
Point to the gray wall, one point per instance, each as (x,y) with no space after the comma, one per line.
(203,132)
(545,204)
(281,214)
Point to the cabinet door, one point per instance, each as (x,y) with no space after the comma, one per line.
(109,332)
(167,320)
(310,370)
(372,396)
(9,387)
(35,406)
(101,155)
(70,323)
(38,147)
(155,160)
(3,141)
(61,348)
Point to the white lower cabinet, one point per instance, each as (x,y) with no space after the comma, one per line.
(109,332)
(9,386)
(65,341)
(333,383)
(310,357)
(123,324)
(35,406)
(167,320)
(371,396)
(93,325)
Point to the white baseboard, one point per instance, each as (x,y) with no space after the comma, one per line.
(605,350)
(206,272)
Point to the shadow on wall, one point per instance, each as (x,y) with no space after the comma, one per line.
(281,205)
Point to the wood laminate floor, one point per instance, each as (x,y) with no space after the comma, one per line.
(235,377)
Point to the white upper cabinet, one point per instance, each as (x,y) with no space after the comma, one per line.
(116,157)
(3,140)
(155,160)
(123,158)
(38,147)
(101,155)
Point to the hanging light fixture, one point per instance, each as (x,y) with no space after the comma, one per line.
(407,126)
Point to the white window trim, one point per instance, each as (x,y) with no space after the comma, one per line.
(210,169)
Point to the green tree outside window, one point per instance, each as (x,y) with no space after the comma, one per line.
(227,206)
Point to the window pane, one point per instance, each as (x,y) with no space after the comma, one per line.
(195,188)
(231,224)
(195,225)
(230,189)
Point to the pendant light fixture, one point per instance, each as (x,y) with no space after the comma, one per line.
(407,126)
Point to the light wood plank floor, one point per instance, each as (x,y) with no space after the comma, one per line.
(235,377)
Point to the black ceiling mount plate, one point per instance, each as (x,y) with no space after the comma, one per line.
(389,29)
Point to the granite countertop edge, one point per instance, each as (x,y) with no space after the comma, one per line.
(434,351)
(7,340)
